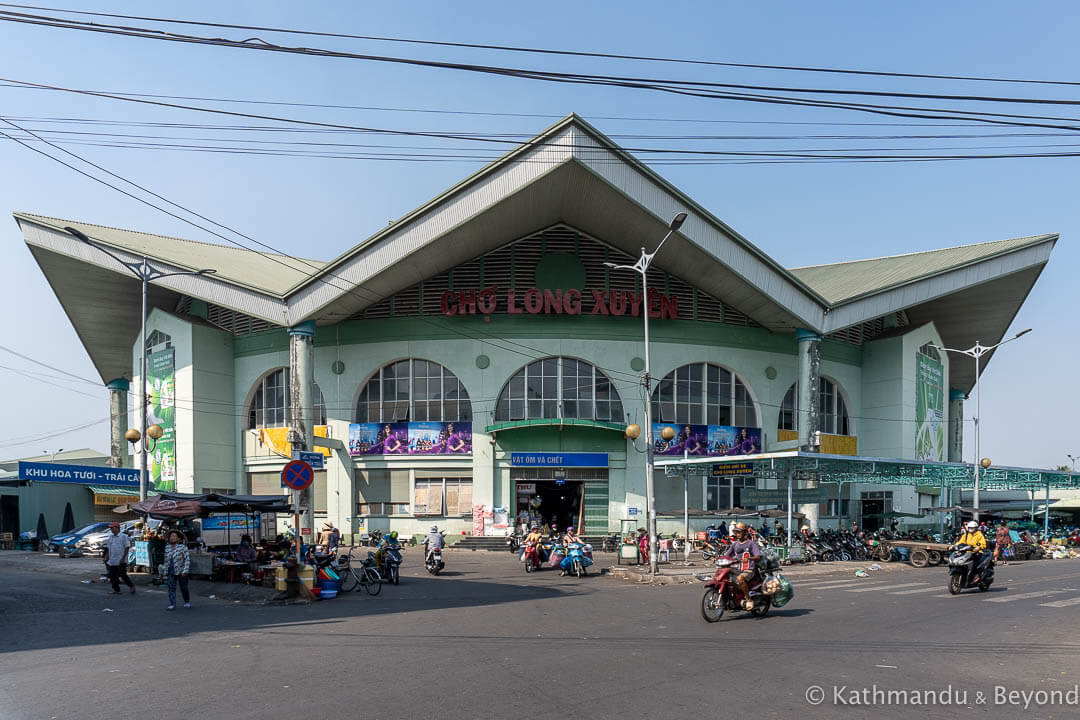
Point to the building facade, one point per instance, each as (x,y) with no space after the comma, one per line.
(480,359)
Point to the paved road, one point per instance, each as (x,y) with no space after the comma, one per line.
(486,640)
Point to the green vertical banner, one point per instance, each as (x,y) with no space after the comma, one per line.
(929,408)
(161,397)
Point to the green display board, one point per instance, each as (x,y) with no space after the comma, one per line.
(161,410)
(929,408)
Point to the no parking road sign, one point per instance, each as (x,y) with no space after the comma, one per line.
(297,475)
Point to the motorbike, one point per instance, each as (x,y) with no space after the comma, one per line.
(390,563)
(374,538)
(576,561)
(963,572)
(722,593)
(531,555)
(513,542)
(434,562)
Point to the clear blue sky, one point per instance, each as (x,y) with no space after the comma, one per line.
(801,215)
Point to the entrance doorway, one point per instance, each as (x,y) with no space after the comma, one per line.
(9,514)
(581,500)
(875,506)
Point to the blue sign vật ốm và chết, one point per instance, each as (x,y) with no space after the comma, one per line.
(552,460)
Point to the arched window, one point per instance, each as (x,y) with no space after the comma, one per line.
(831,408)
(703,394)
(413,389)
(559,387)
(930,351)
(270,404)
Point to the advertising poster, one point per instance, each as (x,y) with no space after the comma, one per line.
(415,438)
(929,408)
(707,440)
(161,410)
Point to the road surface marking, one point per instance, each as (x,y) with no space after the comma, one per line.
(1024,596)
(887,587)
(835,587)
(1062,603)
(840,583)
(916,590)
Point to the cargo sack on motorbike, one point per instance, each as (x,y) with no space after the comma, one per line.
(770,561)
(782,596)
(771,585)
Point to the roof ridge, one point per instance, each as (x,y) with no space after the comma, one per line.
(924,252)
(35,216)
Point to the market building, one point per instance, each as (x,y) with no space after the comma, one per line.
(479,359)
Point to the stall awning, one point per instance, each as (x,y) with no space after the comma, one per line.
(112,495)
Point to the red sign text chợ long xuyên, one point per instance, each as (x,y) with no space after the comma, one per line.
(533,301)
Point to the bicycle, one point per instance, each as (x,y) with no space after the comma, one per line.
(353,576)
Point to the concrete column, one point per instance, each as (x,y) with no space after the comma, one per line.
(301,406)
(809,419)
(956,425)
(118,421)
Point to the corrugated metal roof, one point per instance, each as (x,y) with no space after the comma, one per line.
(273,274)
(846,281)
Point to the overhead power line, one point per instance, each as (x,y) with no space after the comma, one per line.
(551,51)
(690,88)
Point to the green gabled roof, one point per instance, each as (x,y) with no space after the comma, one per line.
(846,281)
(267,272)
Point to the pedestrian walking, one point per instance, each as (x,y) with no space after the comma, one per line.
(177,564)
(115,555)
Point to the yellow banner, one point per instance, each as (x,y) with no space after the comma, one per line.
(830,444)
(277,439)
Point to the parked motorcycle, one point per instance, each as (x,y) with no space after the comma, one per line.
(390,565)
(576,561)
(513,542)
(722,593)
(964,573)
(434,562)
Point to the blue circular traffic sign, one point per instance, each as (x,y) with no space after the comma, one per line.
(297,475)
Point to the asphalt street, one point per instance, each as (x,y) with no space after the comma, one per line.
(485,640)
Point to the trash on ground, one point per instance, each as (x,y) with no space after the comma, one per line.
(85,582)
(106,610)
(861,573)
(213,597)
(875,566)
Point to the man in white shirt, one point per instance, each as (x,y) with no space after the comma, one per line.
(115,555)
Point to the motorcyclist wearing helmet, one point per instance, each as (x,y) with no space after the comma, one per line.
(433,541)
(571,536)
(534,535)
(973,537)
(744,545)
(388,541)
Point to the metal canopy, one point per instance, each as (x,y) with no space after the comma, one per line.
(883,471)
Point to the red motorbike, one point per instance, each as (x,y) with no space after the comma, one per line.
(723,593)
(532,557)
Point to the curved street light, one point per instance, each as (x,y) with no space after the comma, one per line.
(642,268)
(145,272)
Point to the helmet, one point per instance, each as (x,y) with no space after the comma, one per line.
(972,525)
(534,526)
(805,527)
(434,528)
(570,528)
(114,525)
(740,526)
(393,535)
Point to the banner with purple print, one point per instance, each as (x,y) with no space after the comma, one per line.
(416,438)
(707,440)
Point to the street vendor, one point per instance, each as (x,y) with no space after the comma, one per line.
(246,553)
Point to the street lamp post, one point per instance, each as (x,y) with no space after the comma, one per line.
(977,351)
(642,267)
(145,272)
(1072,459)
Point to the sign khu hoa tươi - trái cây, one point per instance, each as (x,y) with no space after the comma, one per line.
(534,301)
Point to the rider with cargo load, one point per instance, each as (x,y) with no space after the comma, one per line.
(747,554)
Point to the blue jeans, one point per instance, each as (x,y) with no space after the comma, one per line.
(183,588)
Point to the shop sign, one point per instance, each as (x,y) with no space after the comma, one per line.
(754,496)
(410,438)
(569,459)
(733,469)
(314,459)
(88,474)
(534,301)
(633,511)
(707,440)
(525,488)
